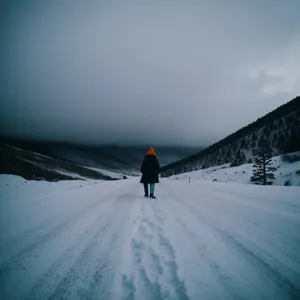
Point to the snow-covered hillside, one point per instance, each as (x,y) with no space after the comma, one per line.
(104,240)
(116,174)
(287,173)
(280,128)
(36,166)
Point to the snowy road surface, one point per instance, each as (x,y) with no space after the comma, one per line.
(104,240)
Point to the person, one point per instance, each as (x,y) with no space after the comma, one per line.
(150,169)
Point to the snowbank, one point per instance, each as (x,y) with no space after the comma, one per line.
(287,173)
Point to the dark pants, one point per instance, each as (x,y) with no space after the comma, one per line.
(152,186)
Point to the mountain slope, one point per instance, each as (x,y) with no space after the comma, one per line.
(118,159)
(57,161)
(281,128)
(32,165)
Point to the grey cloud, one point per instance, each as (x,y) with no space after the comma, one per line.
(169,73)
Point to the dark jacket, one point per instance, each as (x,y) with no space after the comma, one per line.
(150,169)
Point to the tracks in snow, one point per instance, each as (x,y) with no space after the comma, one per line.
(153,262)
(116,244)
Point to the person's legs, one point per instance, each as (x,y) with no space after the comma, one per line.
(146,189)
(152,187)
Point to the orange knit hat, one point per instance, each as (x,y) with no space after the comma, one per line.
(151,151)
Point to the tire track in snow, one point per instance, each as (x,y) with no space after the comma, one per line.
(43,285)
(262,266)
(52,233)
(27,234)
(30,256)
(27,252)
(13,242)
(224,281)
(81,267)
(284,203)
(92,272)
(200,259)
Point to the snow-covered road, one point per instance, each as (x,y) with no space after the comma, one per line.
(104,240)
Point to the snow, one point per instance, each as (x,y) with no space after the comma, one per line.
(113,174)
(241,174)
(104,240)
(67,173)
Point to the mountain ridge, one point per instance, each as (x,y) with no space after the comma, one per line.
(280,127)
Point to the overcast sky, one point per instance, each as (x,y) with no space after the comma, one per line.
(165,72)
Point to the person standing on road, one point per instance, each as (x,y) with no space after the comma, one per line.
(150,169)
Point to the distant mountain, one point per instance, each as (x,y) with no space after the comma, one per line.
(24,158)
(35,166)
(281,128)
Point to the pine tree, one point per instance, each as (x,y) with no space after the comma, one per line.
(263,171)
